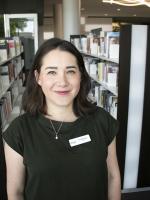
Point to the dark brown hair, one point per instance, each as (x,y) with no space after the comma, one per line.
(33,100)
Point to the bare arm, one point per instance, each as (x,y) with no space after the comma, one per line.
(114,188)
(15,173)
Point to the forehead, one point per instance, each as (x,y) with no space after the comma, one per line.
(58,57)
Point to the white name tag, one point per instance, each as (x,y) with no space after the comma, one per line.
(79,140)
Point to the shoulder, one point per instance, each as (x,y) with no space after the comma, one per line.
(21,121)
(106,117)
(14,135)
(24,117)
(102,115)
(105,123)
(17,131)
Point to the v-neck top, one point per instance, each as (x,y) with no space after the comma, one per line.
(55,169)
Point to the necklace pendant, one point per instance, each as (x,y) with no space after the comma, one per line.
(56,137)
(56,132)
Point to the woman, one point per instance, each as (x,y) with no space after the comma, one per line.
(63,146)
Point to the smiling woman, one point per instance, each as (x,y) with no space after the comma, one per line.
(58,66)
(59,79)
(63,146)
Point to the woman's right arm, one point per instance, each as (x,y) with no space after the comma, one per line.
(15,173)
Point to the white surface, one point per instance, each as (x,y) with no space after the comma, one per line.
(136,97)
(31,16)
(71,18)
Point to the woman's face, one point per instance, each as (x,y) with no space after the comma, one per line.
(59,78)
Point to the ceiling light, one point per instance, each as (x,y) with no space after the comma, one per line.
(118,9)
(129,2)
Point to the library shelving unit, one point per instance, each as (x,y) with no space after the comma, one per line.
(112,89)
(11,82)
(11,77)
(102,69)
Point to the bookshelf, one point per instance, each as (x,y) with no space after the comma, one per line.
(113,90)
(15,111)
(11,86)
(101,57)
(9,59)
(11,82)
(6,87)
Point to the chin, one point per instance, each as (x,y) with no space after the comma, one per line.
(63,103)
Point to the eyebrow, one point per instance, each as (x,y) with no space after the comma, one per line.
(54,67)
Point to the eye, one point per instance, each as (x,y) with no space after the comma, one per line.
(51,72)
(71,72)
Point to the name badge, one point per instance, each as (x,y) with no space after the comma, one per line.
(79,140)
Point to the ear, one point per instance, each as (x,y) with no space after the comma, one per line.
(37,77)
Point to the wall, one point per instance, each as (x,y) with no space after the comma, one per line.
(104,23)
(27,6)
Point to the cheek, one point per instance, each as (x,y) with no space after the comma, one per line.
(46,87)
(77,85)
(43,81)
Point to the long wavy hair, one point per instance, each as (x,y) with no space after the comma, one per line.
(33,100)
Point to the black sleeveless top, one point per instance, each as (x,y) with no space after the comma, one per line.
(56,170)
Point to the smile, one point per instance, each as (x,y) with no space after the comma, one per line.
(62,92)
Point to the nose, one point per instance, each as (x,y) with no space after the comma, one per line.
(62,80)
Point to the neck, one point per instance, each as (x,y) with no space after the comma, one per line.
(61,113)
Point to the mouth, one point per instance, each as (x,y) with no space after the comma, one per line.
(62,92)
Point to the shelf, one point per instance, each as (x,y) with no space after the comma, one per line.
(113,90)
(101,57)
(5,61)
(6,87)
(15,112)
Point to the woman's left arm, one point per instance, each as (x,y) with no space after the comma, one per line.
(114,185)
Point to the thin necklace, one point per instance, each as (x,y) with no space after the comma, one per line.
(56,132)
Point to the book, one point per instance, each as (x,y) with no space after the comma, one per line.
(18,44)
(3,50)
(7,73)
(84,44)
(5,76)
(100,68)
(14,92)
(87,64)
(4,113)
(95,43)
(11,47)
(93,69)
(77,43)
(102,43)
(114,106)
(113,48)
(1,85)
(112,44)
(112,74)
